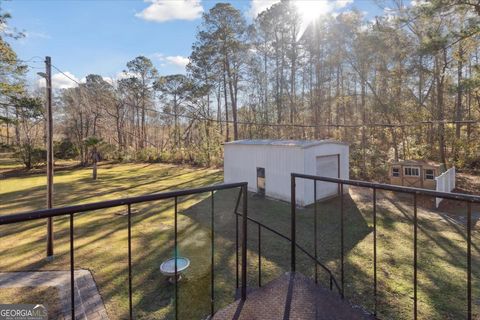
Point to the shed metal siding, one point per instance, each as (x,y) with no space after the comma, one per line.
(241,162)
(242,159)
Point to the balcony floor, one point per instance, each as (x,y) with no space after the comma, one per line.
(292,296)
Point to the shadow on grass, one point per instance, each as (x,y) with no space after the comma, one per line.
(275,250)
(69,193)
(442,261)
(100,239)
(101,246)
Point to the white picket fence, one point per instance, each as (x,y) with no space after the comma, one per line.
(445,183)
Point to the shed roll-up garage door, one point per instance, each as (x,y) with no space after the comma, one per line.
(327,166)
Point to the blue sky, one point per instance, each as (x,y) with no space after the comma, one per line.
(84,37)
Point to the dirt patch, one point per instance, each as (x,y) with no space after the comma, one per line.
(465,183)
(450,211)
(468,183)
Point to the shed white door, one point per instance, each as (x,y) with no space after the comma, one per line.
(327,166)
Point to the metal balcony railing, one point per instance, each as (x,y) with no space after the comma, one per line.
(76,210)
(262,226)
(415,192)
(242,219)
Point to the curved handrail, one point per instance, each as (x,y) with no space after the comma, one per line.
(332,277)
(298,246)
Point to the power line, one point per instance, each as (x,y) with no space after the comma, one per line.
(66,75)
(275,125)
(400,125)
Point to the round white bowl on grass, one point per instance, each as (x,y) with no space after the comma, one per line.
(167,268)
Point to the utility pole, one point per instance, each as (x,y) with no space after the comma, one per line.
(48,67)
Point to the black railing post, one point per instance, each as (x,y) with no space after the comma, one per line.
(315,229)
(293,221)
(175,226)
(212,277)
(259,255)
(375,251)
(130,304)
(71,211)
(469,260)
(244,243)
(415,230)
(72,269)
(342,240)
(236,239)
(236,250)
(79,209)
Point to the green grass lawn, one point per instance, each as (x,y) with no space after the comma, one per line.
(101,243)
(48,296)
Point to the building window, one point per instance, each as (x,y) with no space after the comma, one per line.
(395,172)
(429,174)
(412,171)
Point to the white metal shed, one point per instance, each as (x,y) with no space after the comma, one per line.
(267,164)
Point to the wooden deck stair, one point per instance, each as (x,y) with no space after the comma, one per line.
(292,296)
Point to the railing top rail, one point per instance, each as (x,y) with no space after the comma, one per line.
(389,187)
(46,213)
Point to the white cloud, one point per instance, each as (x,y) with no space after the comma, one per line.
(257,6)
(166,10)
(3,27)
(415,3)
(178,61)
(342,3)
(108,79)
(31,35)
(39,35)
(60,81)
(125,75)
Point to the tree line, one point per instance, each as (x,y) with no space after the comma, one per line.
(402,86)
